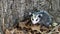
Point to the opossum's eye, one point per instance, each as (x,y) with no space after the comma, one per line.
(36,19)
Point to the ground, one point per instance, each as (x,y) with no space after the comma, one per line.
(24,28)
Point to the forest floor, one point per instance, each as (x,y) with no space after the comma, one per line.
(24,28)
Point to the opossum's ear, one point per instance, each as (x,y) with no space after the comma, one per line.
(41,15)
(30,13)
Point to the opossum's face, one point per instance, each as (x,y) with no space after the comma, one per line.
(36,18)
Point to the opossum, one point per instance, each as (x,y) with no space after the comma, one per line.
(41,17)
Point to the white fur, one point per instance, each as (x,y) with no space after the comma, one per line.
(34,21)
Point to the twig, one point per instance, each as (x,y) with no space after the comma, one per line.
(54,29)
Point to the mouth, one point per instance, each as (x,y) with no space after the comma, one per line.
(34,22)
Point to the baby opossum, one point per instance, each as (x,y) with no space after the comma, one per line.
(41,17)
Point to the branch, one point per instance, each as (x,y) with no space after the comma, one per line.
(54,29)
